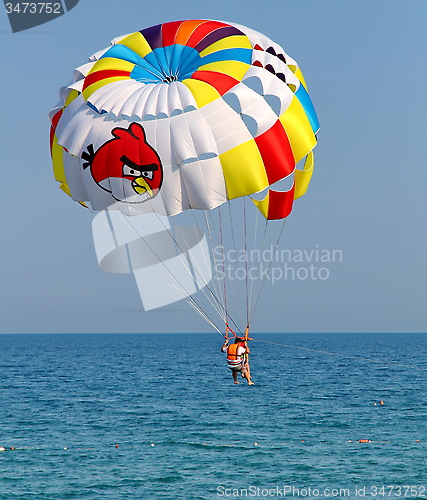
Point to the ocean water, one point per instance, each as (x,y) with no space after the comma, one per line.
(158,417)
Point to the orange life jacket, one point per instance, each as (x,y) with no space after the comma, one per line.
(232,353)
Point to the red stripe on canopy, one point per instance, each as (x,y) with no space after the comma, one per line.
(169,31)
(55,120)
(96,76)
(276,153)
(219,81)
(280,203)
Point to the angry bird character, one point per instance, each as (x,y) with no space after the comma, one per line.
(126,165)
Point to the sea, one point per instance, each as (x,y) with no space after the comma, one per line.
(128,416)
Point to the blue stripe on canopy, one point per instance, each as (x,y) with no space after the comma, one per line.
(242,55)
(126,54)
(306,103)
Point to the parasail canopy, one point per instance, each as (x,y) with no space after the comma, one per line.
(186,115)
(212,111)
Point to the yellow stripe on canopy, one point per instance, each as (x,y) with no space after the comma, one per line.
(71,96)
(299,75)
(262,205)
(202,92)
(230,42)
(58,164)
(298,129)
(243,169)
(137,43)
(97,85)
(109,63)
(65,188)
(302,177)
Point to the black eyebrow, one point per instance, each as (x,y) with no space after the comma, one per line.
(151,167)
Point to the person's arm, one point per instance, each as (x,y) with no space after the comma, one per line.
(224,347)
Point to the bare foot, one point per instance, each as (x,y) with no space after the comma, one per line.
(236,382)
(251,383)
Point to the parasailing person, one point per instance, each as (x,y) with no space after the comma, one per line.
(238,359)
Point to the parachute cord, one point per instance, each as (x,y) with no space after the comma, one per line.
(212,227)
(214,293)
(222,250)
(190,300)
(216,286)
(204,281)
(256,286)
(246,265)
(204,315)
(235,289)
(269,266)
(163,263)
(252,283)
(157,257)
(217,272)
(218,311)
(342,355)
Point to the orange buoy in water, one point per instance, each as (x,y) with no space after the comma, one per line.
(364,440)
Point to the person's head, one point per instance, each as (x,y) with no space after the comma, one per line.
(239,340)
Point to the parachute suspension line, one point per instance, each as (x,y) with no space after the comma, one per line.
(246,267)
(222,306)
(270,263)
(235,289)
(223,257)
(216,285)
(216,228)
(214,294)
(192,299)
(204,315)
(217,301)
(246,270)
(169,231)
(255,283)
(221,240)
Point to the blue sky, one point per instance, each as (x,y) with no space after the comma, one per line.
(365,66)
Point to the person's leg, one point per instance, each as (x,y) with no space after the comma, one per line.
(234,373)
(246,373)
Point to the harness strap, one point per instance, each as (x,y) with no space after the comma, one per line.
(228,330)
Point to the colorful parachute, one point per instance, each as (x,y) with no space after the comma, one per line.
(186,115)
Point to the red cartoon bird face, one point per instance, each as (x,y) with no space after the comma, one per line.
(126,164)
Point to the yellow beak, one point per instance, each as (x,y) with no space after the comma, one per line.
(140,186)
